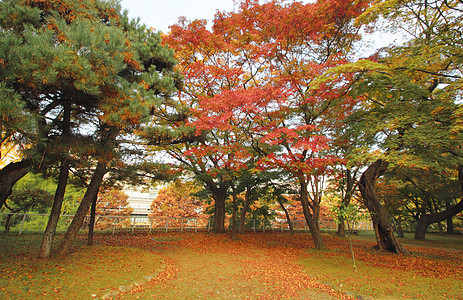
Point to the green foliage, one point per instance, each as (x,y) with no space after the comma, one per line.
(34,194)
(87,58)
(351,214)
(30,199)
(410,193)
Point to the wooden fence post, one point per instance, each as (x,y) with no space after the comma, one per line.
(22,224)
(114,225)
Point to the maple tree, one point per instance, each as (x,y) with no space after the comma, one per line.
(253,78)
(114,203)
(219,152)
(177,201)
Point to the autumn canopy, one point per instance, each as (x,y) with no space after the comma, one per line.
(276,102)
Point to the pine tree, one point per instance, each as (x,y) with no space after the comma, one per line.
(86,74)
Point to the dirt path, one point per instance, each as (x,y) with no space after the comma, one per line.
(203,266)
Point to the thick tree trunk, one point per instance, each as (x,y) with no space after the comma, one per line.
(425,220)
(219,194)
(219,215)
(288,218)
(91,226)
(79,217)
(7,222)
(48,235)
(383,227)
(450,227)
(247,197)
(341,228)
(421,226)
(313,226)
(9,175)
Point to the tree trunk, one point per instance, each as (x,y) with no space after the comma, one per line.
(400,231)
(288,218)
(341,227)
(219,216)
(383,227)
(348,193)
(79,217)
(234,229)
(9,175)
(91,226)
(421,226)
(7,222)
(450,227)
(316,214)
(247,197)
(48,235)
(425,220)
(314,229)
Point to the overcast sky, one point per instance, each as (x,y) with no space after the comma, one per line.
(162,14)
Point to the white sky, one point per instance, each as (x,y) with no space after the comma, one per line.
(161,14)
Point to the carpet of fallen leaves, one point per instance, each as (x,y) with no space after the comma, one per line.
(255,266)
(264,265)
(425,261)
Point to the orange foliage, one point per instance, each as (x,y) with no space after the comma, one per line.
(128,59)
(112,202)
(176,202)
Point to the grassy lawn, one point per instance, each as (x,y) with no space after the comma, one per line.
(89,272)
(256,266)
(432,269)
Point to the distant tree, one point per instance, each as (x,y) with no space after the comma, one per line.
(31,199)
(114,203)
(175,202)
(420,196)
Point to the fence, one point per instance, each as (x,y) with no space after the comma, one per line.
(22,222)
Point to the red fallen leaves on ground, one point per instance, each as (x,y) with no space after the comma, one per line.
(266,259)
(444,262)
(279,266)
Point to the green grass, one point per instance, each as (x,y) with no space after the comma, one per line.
(386,276)
(377,282)
(89,272)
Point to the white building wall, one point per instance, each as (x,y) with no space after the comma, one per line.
(140,198)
